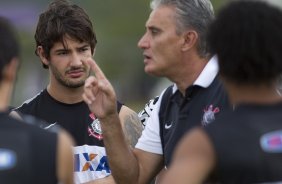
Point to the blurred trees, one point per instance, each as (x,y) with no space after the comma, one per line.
(118,24)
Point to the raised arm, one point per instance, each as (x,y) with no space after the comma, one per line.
(193,160)
(127,165)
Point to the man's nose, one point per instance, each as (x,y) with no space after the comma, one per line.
(143,42)
(76,59)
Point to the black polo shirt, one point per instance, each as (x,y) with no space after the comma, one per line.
(178,114)
(248,144)
(170,116)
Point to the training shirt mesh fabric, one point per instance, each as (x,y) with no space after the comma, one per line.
(27,153)
(89,152)
(248,144)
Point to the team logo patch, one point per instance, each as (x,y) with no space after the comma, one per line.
(209,114)
(272,142)
(95,129)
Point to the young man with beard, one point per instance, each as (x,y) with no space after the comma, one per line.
(65,41)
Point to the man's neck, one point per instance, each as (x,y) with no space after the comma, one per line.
(65,94)
(188,73)
(5,95)
(253,94)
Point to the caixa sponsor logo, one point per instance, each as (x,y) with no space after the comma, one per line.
(90,162)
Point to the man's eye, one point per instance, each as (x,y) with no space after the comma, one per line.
(154,31)
(62,53)
(83,49)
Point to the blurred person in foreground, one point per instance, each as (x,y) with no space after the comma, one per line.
(174,46)
(65,40)
(28,154)
(243,145)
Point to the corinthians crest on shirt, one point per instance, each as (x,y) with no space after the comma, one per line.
(94,130)
(209,114)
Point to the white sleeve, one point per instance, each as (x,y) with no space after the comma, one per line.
(150,140)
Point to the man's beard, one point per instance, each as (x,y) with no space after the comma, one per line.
(65,82)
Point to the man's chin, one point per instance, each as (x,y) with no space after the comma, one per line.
(152,73)
(74,84)
(148,70)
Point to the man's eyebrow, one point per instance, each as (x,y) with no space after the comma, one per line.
(66,49)
(83,46)
(150,27)
(62,50)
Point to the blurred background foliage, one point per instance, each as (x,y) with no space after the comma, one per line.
(118,25)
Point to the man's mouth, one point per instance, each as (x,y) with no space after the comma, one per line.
(75,73)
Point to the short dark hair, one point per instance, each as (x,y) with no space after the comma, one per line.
(60,19)
(9,45)
(247,38)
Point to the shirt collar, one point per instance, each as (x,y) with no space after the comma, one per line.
(207,75)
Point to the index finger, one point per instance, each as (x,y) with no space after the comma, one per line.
(96,69)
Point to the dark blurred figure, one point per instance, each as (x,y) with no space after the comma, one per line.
(243,145)
(28,154)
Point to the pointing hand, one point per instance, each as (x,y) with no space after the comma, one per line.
(99,93)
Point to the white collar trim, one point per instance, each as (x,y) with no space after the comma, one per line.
(207,75)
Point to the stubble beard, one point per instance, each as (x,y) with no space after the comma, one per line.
(66,82)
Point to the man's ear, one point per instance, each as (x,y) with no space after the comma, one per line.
(10,70)
(42,55)
(190,39)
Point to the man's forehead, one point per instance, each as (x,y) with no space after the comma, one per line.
(162,15)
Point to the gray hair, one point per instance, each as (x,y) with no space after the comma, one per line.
(191,14)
